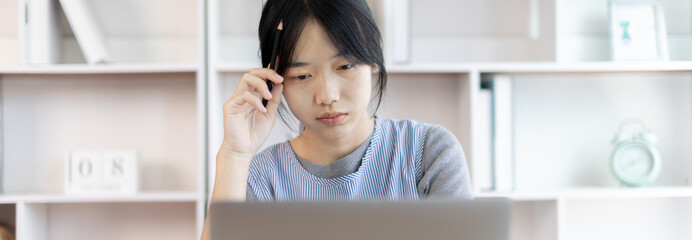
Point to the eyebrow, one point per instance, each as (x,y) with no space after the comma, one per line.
(302,64)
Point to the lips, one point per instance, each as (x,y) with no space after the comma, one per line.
(332,118)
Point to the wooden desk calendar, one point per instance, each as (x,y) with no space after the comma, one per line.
(101,172)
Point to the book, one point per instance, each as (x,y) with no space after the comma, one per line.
(41,33)
(88,34)
(503,139)
(397,30)
(483,161)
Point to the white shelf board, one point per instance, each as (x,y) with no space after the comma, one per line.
(520,196)
(233,67)
(543,67)
(432,68)
(552,67)
(139,197)
(593,193)
(9,199)
(100,69)
(511,67)
(437,68)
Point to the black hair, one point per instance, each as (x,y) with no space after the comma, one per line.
(348,24)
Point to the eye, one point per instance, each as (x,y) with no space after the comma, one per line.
(345,67)
(301,77)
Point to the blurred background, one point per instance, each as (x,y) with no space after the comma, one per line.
(111,109)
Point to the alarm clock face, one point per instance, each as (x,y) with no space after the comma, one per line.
(635,163)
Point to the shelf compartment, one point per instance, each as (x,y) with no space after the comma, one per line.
(478,31)
(8,217)
(583,30)
(645,218)
(139,31)
(532,220)
(46,115)
(432,98)
(233,31)
(564,123)
(9,32)
(170,220)
(536,220)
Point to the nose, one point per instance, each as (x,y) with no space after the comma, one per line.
(327,90)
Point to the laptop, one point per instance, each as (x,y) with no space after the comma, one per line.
(482,218)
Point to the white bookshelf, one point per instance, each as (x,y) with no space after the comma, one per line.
(151,98)
(174,66)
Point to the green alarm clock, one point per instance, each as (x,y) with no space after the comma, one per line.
(635,161)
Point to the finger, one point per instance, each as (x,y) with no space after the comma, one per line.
(254,101)
(238,103)
(254,83)
(273,104)
(268,74)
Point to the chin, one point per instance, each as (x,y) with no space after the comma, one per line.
(333,132)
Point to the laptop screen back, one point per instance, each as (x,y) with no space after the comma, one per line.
(486,218)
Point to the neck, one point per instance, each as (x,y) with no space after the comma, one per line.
(330,150)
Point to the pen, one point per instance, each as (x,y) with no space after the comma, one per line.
(272,64)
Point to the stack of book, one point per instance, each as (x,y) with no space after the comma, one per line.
(494,161)
(42,36)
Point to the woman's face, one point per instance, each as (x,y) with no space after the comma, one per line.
(327,93)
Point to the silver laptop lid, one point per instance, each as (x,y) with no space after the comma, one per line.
(485,218)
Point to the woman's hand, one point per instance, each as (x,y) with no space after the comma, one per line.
(246,125)
(246,122)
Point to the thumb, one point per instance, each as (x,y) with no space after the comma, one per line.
(273,104)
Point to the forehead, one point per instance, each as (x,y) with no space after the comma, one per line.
(313,44)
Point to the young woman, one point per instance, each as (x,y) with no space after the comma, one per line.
(327,56)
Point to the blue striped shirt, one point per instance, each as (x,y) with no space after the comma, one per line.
(390,169)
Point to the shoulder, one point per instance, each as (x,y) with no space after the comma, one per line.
(445,171)
(442,148)
(439,136)
(267,159)
(405,125)
(441,145)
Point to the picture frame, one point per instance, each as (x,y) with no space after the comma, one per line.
(637,30)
